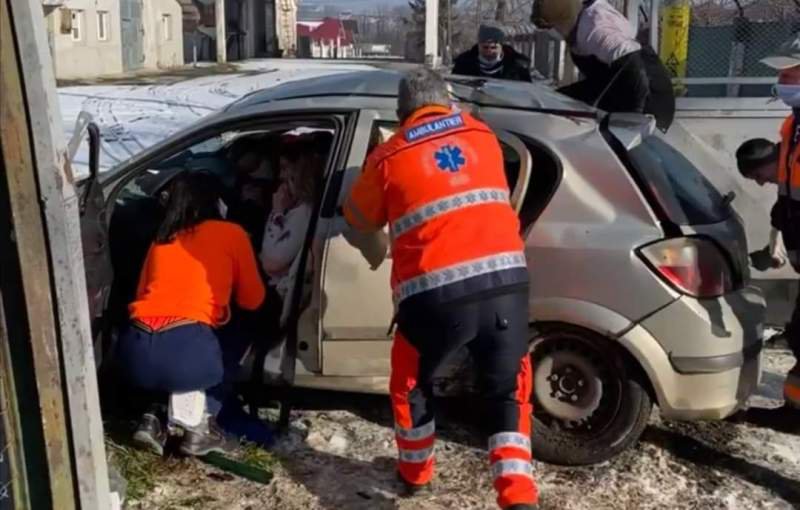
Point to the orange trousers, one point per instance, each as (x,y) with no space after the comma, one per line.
(495,332)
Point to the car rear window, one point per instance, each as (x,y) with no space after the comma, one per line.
(686,196)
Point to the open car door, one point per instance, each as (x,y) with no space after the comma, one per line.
(94,237)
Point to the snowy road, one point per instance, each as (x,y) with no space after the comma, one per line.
(133,117)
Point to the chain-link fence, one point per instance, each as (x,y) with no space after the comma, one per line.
(724,43)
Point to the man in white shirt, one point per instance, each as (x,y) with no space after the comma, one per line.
(620,74)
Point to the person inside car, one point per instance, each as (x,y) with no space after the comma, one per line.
(490,58)
(287,223)
(255,182)
(180,338)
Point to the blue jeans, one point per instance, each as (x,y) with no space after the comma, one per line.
(186,358)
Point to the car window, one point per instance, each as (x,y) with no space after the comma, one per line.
(686,196)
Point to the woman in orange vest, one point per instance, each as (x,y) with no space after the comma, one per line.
(459,278)
(176,340)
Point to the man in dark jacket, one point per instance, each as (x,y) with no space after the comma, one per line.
(619,72)
(490,58)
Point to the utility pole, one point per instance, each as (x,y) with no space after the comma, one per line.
(432,59)
(222,40)
(632,13)
(449,33)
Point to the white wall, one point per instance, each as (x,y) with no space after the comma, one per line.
(88,57)
(160,52)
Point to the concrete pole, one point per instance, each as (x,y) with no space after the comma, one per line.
(655,15)
(222,52)
(432,33)
(632,12)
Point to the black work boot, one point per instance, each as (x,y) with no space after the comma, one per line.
(150,435)
(210,438)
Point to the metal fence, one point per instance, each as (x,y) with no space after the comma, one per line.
(713,47)
(727,40)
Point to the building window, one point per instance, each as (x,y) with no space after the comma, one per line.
(102,25)
(166,26)
(77,25)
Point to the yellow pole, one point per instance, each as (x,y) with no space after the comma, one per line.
(674,49)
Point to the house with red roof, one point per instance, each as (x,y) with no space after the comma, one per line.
(329,38)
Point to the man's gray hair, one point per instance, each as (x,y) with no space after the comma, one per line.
(418,88)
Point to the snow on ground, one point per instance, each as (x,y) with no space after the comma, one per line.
(134,117)
(340,456)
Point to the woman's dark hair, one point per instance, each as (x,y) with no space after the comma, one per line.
(192,198)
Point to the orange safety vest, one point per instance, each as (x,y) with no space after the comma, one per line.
(440,184)
(789,164)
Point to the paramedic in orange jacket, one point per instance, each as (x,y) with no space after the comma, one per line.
(459,279)
(180,336)
(782,167)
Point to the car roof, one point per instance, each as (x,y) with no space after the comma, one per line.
(383,83)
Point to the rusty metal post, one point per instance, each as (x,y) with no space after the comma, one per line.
(50,308)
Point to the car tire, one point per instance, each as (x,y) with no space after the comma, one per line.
(600,411)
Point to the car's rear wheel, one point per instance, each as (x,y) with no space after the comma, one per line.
(589,403)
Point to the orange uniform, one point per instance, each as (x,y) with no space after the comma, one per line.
(459,279)
(786,218)
(194,276)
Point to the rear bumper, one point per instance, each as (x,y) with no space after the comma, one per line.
(695,396)
(716,364)
(703,357)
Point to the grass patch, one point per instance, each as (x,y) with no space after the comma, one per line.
(255,456)
(140,469)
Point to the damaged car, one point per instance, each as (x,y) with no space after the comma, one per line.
(640,291)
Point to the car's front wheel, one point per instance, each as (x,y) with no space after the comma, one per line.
(589,403)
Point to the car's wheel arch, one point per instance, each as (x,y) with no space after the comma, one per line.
(600,320)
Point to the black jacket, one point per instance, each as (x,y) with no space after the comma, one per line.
(638,82)
(515,65)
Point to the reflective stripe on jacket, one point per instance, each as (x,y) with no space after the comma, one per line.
(440,184)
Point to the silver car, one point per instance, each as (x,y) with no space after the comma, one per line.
(640,283)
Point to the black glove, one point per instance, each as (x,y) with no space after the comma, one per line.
(762,259)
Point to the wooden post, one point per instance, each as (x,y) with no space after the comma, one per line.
(43,287)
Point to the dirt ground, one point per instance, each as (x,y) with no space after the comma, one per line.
(339,456)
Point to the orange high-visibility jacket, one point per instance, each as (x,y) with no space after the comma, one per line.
(785,173)
(440,184)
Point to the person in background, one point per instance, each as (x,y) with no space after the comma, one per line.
(179,339)
(781,165)
(459,279)
(620,74)
(490,58)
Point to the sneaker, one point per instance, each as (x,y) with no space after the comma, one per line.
(150,435)
(198,443)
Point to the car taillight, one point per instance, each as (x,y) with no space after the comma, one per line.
(693,265)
